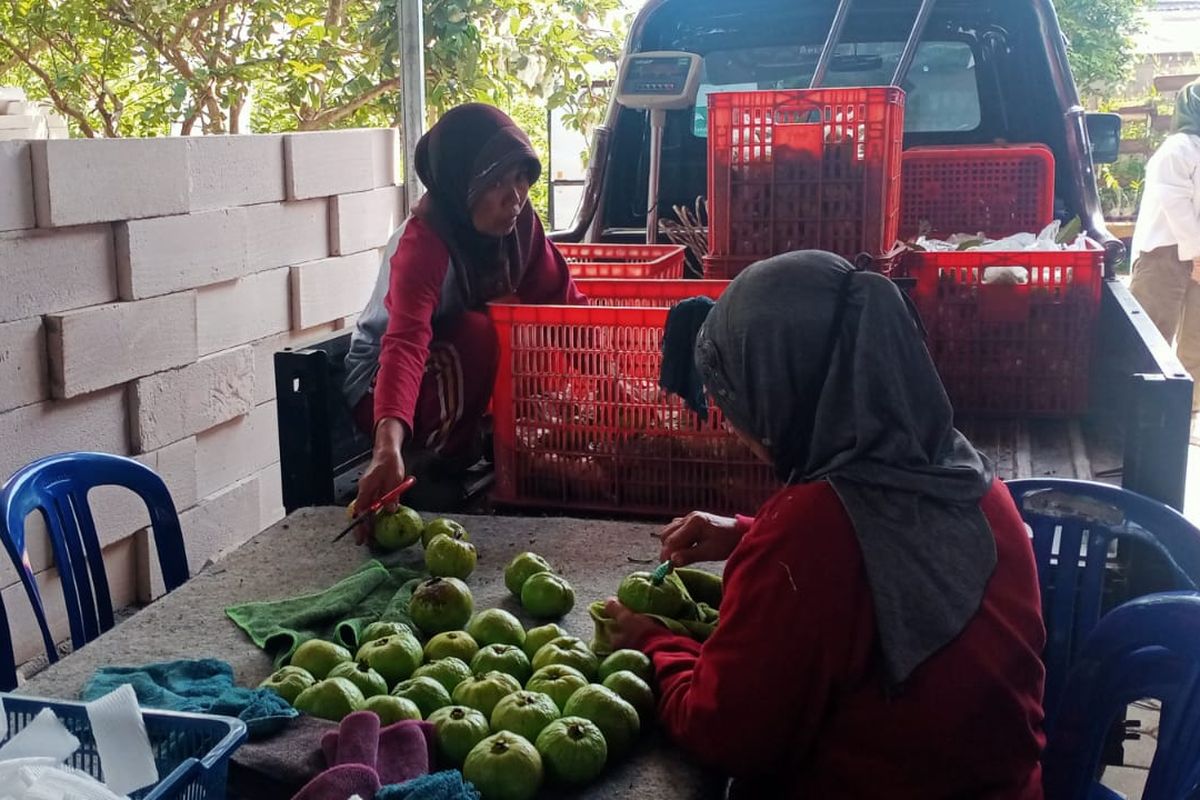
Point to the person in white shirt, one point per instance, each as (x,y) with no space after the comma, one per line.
(1166,241)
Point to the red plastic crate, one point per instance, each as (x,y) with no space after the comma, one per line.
(581,423)
(804,169)
(726,268)
(625,260)
(1011,349)
(646,292)
(997,190)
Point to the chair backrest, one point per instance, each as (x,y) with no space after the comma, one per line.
(1084,519)
(58,486)
(1146,648)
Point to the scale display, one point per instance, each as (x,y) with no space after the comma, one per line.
(659,80)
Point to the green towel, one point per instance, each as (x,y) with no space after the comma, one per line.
(372,593)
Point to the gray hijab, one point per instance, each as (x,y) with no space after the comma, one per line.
(827,368)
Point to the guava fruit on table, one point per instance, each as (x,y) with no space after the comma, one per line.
(391,709)
(632,660)
(504,766)
(524,713)
(496,626)
(441,604)
(428,694)
(558,681)
(394,657)
(459,729)
(368,681)
(450,558)
(288,682)
(451,644)
(634,691)
(539,637)
(502,658)
(616,718)
(483,692)
(317,657)
(443,527)
(571,651)
(378,630)
(521,568)
(331,699)
(449,672)
(395,531)
(573,750)
(547,596)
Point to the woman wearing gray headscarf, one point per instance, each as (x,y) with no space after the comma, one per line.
(880,631)
(1166,241)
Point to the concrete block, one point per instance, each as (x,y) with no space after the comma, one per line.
(49,271)
(16,187)
(326,163)
(23,376)
(365,220)
(328,290)
(264,357)
(243,311)
(237,449)
(228,171)
(120,566)
(270,496)
(283,234)
(76,181)
(218,524)
(173,254)
(173,405)
(102,346)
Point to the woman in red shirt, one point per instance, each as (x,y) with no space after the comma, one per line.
(423,356)
(880,631)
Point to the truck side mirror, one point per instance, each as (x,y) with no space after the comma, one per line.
(1104,133)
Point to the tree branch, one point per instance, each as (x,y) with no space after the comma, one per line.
(195,16)
(59,101)
(33,50)
(332,116)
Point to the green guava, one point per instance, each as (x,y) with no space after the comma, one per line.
(451,644)
(399,530)
(450,558)
(459,729)
(428,694)
(639,594)
(547,596)
(394,657)
(573,750)
(378,630)
(539,637)
(441,604)
(631,660)
(288,682)
(524,713)
(502,658)
(391,709)
(331,699)
(496,626)
(571,651)
(449,672)
(615,717)
(483,692)
(521,568)
(634,691)
(504,766)
(317,657)
(558,681)
(368,681)
(443,527)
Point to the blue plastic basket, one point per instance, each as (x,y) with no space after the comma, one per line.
(192,750)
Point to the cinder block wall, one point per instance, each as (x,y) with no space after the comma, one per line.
(144,286)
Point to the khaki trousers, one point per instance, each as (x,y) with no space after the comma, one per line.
(1163,285)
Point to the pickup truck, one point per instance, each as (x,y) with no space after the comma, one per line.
(982,72)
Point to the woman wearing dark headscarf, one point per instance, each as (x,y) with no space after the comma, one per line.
(1166,241)
(880,630)
(423,355)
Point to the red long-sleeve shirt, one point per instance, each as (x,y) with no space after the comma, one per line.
(418,271)
(788,694)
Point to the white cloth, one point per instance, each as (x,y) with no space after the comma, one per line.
(1170,210)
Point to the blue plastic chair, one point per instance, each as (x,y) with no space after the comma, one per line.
(1085,518)
(1146,648)
(58,487)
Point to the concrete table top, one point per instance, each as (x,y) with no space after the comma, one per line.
(296,557)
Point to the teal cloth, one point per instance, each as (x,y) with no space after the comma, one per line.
(448,785)
(205,687)
(372,593)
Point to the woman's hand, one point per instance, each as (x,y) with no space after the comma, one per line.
(627,629)
(384,473)
(699,537)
